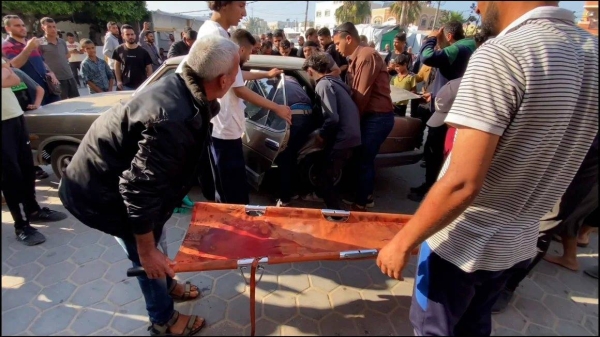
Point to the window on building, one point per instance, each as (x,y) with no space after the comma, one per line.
(423,24)
(327,13)
(318,14)
(431,24)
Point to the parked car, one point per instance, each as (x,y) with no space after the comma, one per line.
(57,129)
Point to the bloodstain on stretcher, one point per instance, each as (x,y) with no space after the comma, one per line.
(221,234)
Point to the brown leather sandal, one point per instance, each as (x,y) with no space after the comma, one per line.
(188,288)
(164,330)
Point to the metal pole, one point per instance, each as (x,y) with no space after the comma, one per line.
(436,15)
(306,17)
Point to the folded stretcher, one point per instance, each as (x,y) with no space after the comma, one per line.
(223,236)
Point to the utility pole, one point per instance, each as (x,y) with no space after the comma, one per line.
(306,17)
(436,14)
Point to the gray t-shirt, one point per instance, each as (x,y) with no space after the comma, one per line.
(56,57)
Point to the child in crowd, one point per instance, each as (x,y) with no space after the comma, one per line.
(403,80)
(96,72)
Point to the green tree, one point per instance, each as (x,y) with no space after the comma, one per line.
(449,16)
(407,12)
(253,25)
(353,11)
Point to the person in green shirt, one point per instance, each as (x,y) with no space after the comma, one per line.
(403,80)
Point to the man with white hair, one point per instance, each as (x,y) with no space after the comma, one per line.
(137,162)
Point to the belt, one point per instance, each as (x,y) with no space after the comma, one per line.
(301,112)
(301,106)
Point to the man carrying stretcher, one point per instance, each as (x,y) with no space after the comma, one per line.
(138,161)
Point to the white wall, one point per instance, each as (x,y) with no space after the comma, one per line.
(321,8)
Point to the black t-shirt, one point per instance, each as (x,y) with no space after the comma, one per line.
(337,57)
(134,62)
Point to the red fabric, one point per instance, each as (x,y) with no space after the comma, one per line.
(220,234)
(449,141)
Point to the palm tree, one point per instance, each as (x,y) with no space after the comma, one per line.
(407,11)
(353,11)
(449,16)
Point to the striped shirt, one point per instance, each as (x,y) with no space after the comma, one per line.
(536,86)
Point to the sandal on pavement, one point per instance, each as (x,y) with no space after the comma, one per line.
(164,330)
(188,288)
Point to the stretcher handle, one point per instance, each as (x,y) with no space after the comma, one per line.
(136,271)
(335,215)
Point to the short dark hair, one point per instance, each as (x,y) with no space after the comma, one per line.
(110,24)
(364,38)
(46,20)
(69,34)
(402,59)
(148,32)
(345,29)
(285,44)
(242,36)
(85,42)
(279,33)
(479,39)
(126,26)
(456,29)
(266,44)
(310,32)
(319,63)
(400,37)
(217,5)
(324,32)
(191,35)
(6,19)
(269,35)
(187,28)
(310,44)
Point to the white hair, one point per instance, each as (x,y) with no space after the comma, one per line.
(212,56)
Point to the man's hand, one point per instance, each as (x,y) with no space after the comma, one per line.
(285,113)
(32,107)
(319,141)
(427,97)
(120,85)
(392,259)
(146,26)
(55,80)
(274,72)
(32,44)
(156,264)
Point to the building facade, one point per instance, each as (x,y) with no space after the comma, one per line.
(589,19)
(325,14)
(384,15)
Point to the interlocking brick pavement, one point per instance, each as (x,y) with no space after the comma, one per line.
(75,284)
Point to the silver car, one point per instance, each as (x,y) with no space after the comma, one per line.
(57,129)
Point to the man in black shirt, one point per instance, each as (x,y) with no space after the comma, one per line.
(182,47)
(286,49)
(133,64)
(329,47)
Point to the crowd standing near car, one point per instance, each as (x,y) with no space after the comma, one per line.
(496,190)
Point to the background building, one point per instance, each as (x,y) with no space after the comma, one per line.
(589,19)
(325,14)
(383,15)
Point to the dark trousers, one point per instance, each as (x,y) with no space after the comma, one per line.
(75,70)
(450,302)
(287,160)
(334,163)
(18,174)
(230,171)
(434,153)
(400,110)
(575,207)
(422,112)
(207,179)
(69,88)
(374,129)
(48,96)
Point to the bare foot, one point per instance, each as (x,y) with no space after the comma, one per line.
(179,290)
(182,321)
(563,262)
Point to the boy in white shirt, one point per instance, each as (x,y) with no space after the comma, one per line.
(76,56)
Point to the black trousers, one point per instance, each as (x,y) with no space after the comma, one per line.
(230,169)
(68,88)
(75,69)
(434,153)
(333,164)
(577,206)
(18,173)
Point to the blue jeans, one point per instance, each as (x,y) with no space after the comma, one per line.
(374,129)
(230,171)
(159,303)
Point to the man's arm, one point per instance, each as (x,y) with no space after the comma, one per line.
(111,78)
(118,72)
(330,108)
(9,78)
(173,51)
(368,71)
(109,48)
(19,60)
(441,58)
(142,38)
(248,95)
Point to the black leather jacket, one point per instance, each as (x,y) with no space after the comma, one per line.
(139,159)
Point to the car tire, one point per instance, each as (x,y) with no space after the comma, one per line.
(309,167)
(61,157)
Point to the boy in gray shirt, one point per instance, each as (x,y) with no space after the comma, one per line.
(340,132)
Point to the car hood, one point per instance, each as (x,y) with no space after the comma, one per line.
(90,104)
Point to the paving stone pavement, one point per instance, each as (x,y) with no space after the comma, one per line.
(75,284)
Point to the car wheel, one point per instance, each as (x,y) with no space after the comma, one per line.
(61,157)
(311,169)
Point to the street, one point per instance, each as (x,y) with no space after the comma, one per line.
(75,284)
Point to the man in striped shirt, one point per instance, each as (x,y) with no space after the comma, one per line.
(525,120)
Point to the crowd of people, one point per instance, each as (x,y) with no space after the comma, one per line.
(511,155)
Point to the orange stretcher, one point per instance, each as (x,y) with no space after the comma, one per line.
(223,236)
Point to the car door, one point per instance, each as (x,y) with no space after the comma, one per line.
(266,133)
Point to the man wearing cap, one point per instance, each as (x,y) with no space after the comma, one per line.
(443,102)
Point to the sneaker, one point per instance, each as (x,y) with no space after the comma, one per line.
(312,197)
(357,208)
(370,202)
(29,236)
(40,173)
(46,215)
(502,301)
(187,202)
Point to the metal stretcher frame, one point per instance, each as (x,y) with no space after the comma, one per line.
(228,237)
